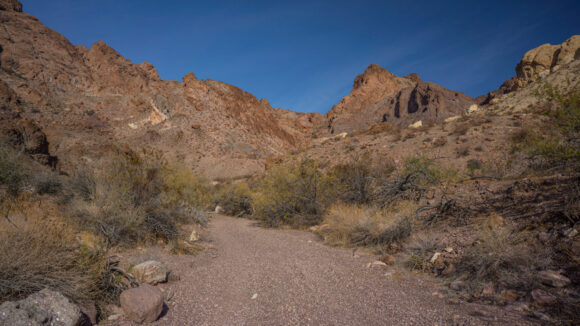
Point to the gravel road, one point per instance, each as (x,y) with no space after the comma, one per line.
(256,276)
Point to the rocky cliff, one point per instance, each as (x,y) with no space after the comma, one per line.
(380,96)
(89,99)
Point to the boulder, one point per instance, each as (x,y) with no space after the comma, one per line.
(553,279)
(150,272)
(143,304)
(42,308)
(219,210)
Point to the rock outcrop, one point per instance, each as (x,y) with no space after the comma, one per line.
(90,100)
(44,308)
(537,64)
(380,96)
(545,59)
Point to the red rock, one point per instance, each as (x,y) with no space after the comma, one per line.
(142,304)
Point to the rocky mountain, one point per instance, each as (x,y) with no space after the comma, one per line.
(90,100)
(380,96)
(536,65)
(75,103)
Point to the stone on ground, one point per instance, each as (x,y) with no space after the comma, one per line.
(42,308)
(143,304)
(150,272)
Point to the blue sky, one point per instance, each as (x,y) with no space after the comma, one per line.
(304,55)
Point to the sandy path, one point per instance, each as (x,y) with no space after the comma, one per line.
(296,280)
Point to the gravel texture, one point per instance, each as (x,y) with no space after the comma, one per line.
(255,276)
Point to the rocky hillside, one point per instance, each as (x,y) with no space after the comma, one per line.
(380,96)
(89,100)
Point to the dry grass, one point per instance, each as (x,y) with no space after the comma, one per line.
(503,259)
(368,226)
(36,255)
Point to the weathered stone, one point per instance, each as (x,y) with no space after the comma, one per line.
(42,308)
(553,279)
(142,304)
(150,272)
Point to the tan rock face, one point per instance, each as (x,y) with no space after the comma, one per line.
(543,60)
(380,96)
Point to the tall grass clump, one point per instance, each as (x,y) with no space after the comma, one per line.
(503,259)
(36,255)
(363,225)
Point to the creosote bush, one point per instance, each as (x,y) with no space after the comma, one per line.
(293,195)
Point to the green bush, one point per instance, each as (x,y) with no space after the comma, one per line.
(294,195)
(235,199)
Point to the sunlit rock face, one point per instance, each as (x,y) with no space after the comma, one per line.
(545,59)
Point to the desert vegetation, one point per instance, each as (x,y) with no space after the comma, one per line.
(61,231)
(406,208)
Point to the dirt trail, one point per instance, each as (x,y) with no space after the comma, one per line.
(256,276)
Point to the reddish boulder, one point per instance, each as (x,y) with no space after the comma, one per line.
(143,304)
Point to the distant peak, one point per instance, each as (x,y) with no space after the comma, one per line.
(374,68)
(11,5)
(414,77)
(189,78)
(372,73)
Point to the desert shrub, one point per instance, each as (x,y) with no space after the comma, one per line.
(363,225)
(554,145)
(36,255)
(421,249)
(47,183)
(181,186)
(235,199)
(293,195)
(137,198)
(502,259)
(13,172)
(354,181)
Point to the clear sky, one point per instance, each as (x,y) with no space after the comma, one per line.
(304,55)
